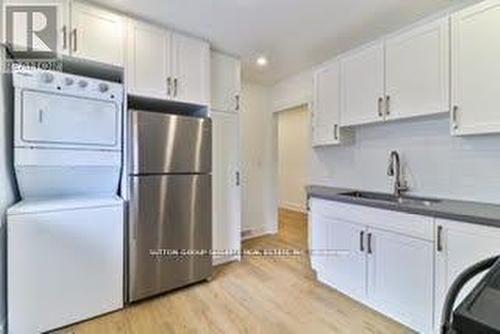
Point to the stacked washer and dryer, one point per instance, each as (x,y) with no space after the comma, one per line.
(65,237)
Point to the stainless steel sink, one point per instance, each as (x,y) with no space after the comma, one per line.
(381,197)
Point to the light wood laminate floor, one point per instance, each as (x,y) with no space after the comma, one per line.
(258,295)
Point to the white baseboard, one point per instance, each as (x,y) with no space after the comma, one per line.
(225,259)
(293,207)
(257,232)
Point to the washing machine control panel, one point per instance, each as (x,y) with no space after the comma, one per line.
(70,84)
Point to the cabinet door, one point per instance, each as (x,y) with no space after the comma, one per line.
(191,70)
(346,261)
(225,73)
(400,278)
(475,67)
(319,241)
(362,86)
(417,71)
(326,106)
(97,34)
(148,61)
(460,245)
(226,185)
(62,11)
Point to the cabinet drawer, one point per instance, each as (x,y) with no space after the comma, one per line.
(412,225)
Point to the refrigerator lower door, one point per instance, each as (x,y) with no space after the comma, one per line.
(168,212)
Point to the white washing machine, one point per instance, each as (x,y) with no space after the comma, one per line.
(65,237)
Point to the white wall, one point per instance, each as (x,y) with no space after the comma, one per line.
(293,157)
(436,163)
(293,91)
(259,161)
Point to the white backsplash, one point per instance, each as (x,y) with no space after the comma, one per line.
(435,163)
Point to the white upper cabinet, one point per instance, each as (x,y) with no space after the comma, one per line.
(191,70)
(326,106)
(475,67)
(417,71)
(225,73)
(406,76)
(148,68)
(166,65)
(362,85)
(97,34)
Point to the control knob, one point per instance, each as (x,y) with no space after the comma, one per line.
(69,81)
(103,88)
(47,77)
(82,83)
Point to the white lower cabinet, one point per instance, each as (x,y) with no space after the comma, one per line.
(344,240)
(318,227)
(400,275)
(384,259)
(458,246)
(400,264)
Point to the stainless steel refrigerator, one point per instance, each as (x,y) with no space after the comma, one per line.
(170,208)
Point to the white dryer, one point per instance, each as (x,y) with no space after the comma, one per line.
(65,237)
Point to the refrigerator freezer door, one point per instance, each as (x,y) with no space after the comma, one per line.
(163,143)
(168,212)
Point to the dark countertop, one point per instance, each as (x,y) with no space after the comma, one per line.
(471,212)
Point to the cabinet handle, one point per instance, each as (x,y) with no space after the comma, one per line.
(75,40)
(238,179)
(440,238)
(380,102)
(370,243)
(362,241)
(237,98)
(336,131)
(169,86)
(176,82)
(387,105)
(40,116)
(454,117)
(65,37)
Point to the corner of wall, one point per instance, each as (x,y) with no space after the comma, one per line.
(259,140)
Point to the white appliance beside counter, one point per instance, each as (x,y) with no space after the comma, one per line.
(65,236)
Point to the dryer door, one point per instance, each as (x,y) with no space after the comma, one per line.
(53,120)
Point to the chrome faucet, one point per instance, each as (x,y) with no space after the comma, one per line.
(394,169)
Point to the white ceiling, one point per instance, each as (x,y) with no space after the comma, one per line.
(293,34)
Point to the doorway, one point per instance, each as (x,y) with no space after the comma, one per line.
(294,146)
